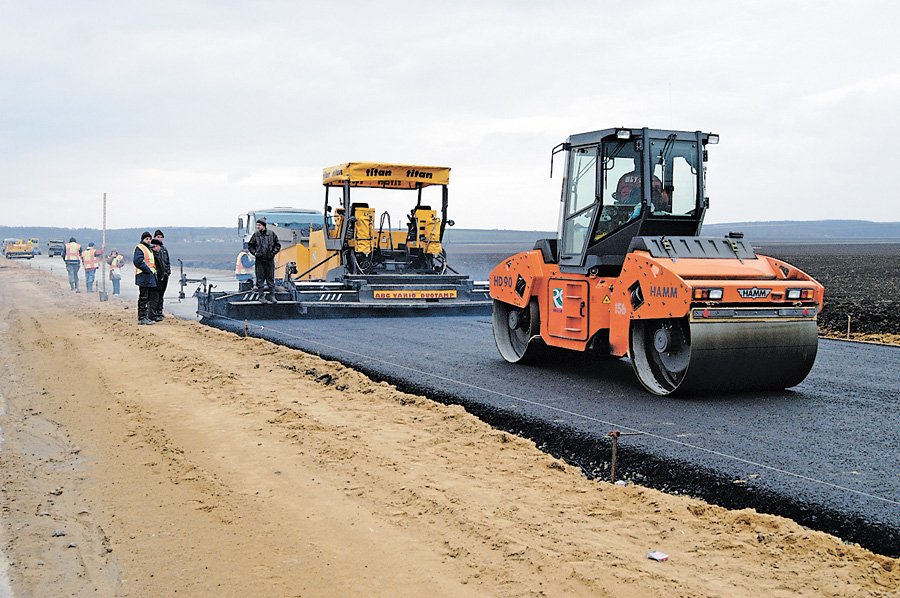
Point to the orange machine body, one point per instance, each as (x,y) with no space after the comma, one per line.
(575,308)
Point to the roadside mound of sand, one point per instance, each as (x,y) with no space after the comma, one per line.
(177,459)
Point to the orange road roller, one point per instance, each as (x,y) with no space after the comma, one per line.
(629,275)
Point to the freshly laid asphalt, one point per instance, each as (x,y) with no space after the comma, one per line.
(825,453)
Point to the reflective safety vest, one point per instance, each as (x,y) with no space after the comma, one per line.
(115,266)
(148,257)
(73,252)
(90,259)
(239,266)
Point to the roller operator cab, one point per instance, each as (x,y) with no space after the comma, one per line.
(629,275)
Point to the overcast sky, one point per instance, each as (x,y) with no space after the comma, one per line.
(188,113)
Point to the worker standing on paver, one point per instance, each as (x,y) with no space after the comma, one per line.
(72,258)
(144,277)
(243,269)
(264,245)
(90,257)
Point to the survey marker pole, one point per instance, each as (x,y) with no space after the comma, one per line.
(103,295)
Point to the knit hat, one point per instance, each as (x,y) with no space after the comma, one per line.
(261,220)
(158,233)
(145,234)
(72,240)
(91,244)
(156,242)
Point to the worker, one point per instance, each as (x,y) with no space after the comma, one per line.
(163,270)
(115,261)
(72,258)
(628,189)
(243,269)
(91,261)
(144,277)
(264,245)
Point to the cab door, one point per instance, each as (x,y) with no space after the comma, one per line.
(580,202)
(568,309)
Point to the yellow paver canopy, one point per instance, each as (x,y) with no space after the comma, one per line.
(389,176)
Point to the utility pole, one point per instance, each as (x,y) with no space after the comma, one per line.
(103,295)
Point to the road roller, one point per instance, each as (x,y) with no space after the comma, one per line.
(629,275)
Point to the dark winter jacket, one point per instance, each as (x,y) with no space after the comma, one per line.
(163,267)
(143,275)
(264,245)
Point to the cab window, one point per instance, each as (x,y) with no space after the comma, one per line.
(675,164)
(581,201)
(621,187)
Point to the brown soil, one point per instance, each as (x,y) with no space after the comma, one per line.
(180,460)
(880,339)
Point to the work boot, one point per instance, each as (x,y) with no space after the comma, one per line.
(262,297)
(271,298)
(146,321)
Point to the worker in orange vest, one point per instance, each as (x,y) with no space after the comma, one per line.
(144,277)
(115,261)
(90,259)
(72,258)
(243,269)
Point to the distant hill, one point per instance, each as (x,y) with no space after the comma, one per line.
(120,236)
(816,231)
(209,240)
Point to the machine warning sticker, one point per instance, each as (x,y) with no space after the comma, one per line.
(557,298)
(606,299)
(416,294)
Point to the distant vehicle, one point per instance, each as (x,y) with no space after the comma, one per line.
(17,248)
(292,226)
(56,247)
(35,246)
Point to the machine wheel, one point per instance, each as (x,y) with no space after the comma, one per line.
(677,355)
(660,353)
(515,329)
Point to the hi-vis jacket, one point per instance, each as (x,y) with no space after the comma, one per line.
(244,264)
(90,259)
(145,266)
(73,252)
(115,266)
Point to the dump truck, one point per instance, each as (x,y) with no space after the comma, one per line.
(56,247)
(629,275)
(18,249)
(343,261)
